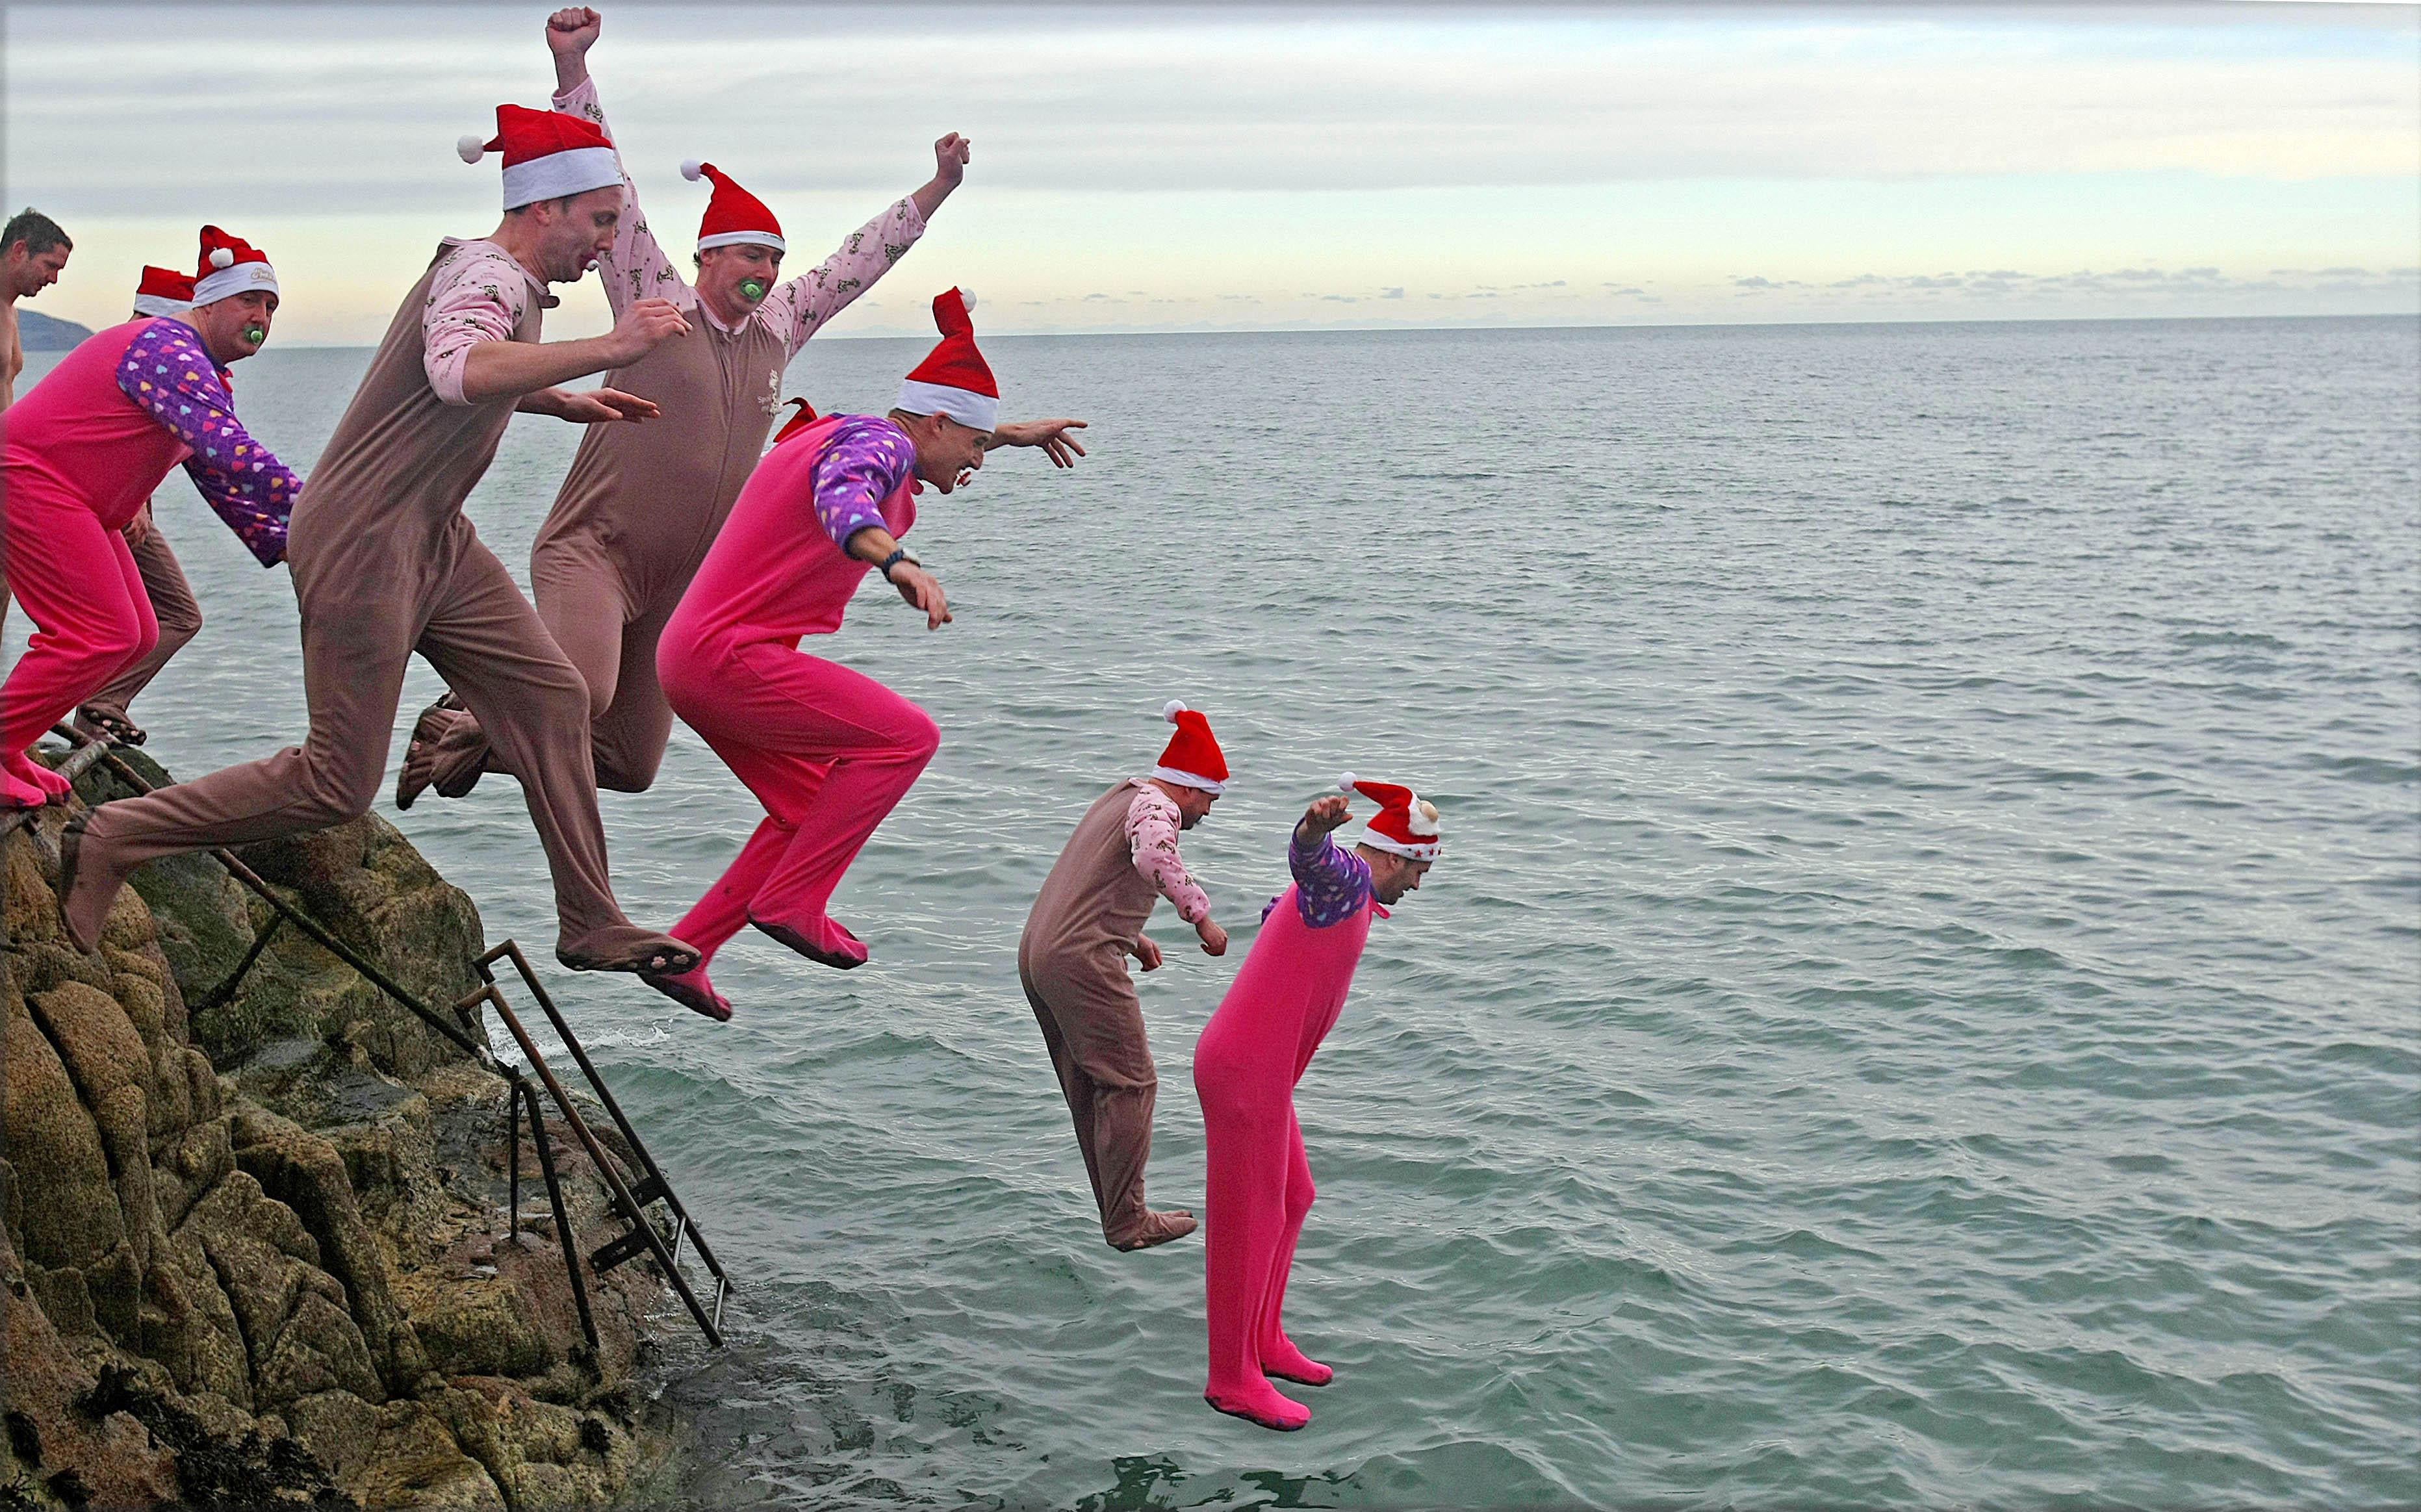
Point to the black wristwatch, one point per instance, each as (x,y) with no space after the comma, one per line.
(898,556)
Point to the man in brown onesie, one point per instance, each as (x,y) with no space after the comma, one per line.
(385,563)
(1089,917)
(641,505)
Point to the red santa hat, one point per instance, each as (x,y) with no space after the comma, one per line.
(1193,759)
(229,265)
(733,215)
(163,291)
(1406,823)
(953,379)
(547,153)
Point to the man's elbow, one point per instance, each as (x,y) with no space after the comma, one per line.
(450,382)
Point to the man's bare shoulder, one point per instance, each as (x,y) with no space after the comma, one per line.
(16,351)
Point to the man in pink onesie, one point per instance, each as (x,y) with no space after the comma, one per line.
(1245,1067)
(826,750)
(167,292)
(85,450)
(1073,962)
(385,563)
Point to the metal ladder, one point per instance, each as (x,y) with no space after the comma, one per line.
(631,1199)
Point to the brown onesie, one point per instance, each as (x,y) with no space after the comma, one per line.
(384,564)
(1073,962)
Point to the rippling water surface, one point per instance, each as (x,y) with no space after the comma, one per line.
(1920,1005)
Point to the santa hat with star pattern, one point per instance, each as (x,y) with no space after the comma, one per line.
(1406,824)
(1193,759)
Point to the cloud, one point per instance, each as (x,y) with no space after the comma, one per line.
(1395,292)
(102,99)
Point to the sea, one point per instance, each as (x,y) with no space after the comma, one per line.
(1918,1007)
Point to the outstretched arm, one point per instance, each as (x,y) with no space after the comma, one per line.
(803,306)
(1050,435)
(166,372)
(636,267)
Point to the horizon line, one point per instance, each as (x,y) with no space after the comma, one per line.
(1598,325)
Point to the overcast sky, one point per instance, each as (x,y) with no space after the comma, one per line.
(1163,167)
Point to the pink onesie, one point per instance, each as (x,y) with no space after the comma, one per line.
(85,450)
(828,751)
(1257,1186)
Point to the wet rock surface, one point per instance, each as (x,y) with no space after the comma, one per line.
(256,1250)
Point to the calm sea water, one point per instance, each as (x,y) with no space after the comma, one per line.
(1920,1006)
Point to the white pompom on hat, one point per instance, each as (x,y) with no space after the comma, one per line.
(953,378)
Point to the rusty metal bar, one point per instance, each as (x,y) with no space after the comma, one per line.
(334,946)
(80,761)
(655,1186)
(563,1234)
(632,1210)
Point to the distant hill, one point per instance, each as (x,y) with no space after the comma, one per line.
(41,333)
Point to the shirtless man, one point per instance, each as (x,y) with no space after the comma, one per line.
(33,253)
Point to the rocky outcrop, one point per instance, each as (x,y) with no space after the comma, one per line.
(253,1250)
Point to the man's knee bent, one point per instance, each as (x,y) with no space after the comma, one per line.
(334,797)
(921,737)
(619,771)
(178,624)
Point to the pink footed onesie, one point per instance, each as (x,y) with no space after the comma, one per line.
(828,751)
(83,451)
(1259,1184)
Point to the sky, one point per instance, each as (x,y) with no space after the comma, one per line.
(1180,167)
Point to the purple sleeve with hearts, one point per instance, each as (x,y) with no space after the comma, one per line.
(167,373)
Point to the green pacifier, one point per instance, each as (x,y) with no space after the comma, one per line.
(752,289)
(255,334)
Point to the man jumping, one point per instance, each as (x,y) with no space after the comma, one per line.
(1258,1185)
(385,563)
(1072,960)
